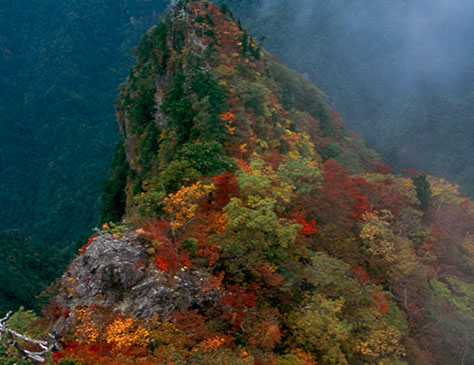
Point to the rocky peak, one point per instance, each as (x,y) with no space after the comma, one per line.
(117,274)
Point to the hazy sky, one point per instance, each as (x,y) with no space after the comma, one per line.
(425,38)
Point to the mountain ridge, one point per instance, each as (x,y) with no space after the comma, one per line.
(233,178)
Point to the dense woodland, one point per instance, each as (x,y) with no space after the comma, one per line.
(233,165)
(399,72)
(60,66)
(61,62)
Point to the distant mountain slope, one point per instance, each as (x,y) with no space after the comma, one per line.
(397,71)
(60,65)
(61,62)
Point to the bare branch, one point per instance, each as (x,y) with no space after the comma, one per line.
(14,336)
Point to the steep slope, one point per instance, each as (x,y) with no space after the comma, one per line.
(218,92)
(56,116)
(60,64)
(398,72)
(56,122)
(244,240)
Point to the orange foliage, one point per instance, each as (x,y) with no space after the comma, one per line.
(206,224)
(306,357)
(267,336)
(243,165)
(229,118)
(125,332)
(83,248)
(212,343)
(86,330)
(215,281)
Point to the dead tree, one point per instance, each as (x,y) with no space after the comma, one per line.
(13,336)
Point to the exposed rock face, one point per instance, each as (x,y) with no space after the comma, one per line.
(117,273)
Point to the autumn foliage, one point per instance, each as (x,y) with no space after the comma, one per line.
(317,253)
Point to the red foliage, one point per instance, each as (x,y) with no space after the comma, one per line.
(308,228)
(274,159)
(140,264)
(236,302)
(339,202)
(170,259)
(226,187)
(211,253)
(383,195)
(96,353)
(360,206)
(381,303)
(103,353)
(157,230)
(191,323)
(443,269)
(411,172)
(54,311)
(89,241)
(359,273)
(215,281)
(336,119)
(449,223)
(60,355)
(161,264)
(382,169)
(269,276)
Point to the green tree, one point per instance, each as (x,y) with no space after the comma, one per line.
(423,190)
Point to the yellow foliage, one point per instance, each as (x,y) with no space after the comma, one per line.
(383,342)
(467,245)
(395,253)
(183,205)
(86,331)
(444,192)
(124,332)
(168,339)
(443,187)
(378,236)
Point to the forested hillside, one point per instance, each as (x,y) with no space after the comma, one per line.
(60,64)
(399,72)
(259,230)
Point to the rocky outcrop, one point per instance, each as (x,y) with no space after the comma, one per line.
(117,273)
